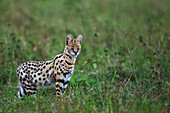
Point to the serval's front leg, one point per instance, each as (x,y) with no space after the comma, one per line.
(59,87)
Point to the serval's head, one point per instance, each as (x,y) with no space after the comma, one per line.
(73,46)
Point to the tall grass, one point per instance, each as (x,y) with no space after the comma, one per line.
(123,65)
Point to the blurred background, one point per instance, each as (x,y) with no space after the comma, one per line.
(123,65)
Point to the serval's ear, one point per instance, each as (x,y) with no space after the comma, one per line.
(69,39)
(79,38)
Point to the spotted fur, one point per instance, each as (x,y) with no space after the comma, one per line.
(58,71)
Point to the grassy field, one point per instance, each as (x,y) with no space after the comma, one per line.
(123,65)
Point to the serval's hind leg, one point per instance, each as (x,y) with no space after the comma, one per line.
(28,90)
(21,92)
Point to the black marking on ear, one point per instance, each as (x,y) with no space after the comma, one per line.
(79,39)
(67,41)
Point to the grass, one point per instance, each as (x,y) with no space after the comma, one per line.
(123,65)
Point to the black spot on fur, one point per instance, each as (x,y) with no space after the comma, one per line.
(28,72)
(61,61)
(55,74)
(61,70)
(56,63)
(48,75)
(60,56)
(43,67)
(40,78)
(47,71)
(24,79)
